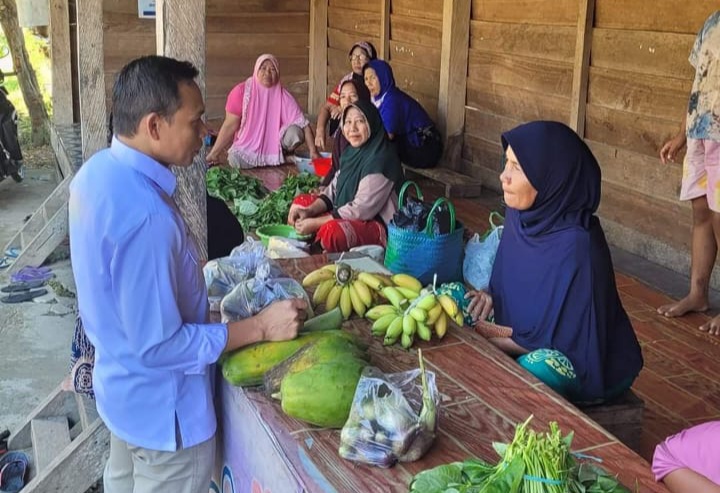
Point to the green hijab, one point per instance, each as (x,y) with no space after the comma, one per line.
(376,155)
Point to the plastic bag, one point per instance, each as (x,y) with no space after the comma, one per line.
(223,274)
(279,247)
(414,213)
(384,422)
(249,297)
(480,255)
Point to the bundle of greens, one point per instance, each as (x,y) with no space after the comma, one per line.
(532,463)
(251,202)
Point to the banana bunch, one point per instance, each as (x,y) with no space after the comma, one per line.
(339,285)
(412,311)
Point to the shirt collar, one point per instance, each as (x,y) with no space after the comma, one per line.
(142,163)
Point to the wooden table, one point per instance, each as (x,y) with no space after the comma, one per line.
(484,393)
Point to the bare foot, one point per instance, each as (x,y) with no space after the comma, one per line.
(685,305)
(712,327)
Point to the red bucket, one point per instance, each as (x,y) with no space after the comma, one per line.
(322,165)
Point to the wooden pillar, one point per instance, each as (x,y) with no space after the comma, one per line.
(318,62)
(453,75)
(61,65)
(581,68)
(180,31)
(91,70)
(384,48)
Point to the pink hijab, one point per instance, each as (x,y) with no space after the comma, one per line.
(267,113)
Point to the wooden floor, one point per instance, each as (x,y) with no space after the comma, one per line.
(680,382)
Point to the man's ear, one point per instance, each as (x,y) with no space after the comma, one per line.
(150,125)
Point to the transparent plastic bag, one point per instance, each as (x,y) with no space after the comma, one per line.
(249,297)
(480,255)
(384,424)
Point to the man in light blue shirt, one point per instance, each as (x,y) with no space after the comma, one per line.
(141,292)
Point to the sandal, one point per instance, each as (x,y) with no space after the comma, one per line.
(23,286)
(21,296)
(13,466)
(4,263)
(28,273)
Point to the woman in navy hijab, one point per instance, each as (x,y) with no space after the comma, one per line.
(552,288)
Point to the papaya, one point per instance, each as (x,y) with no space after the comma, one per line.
(323,394)
(326,350)
(330,320)
(246,366)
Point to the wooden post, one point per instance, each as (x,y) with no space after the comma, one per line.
(91,70)
(453,75)
(384,47)
(62,96)
(581,69)
(180,33)
(318,72)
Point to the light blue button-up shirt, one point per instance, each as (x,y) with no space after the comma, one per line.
(143,301)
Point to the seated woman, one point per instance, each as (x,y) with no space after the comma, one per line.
(362,198)
(552,288)
(262,120)
(349,93)
(687,462)
(418,140)
(328,119)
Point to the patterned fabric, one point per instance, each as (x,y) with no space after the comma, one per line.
(551,367)
(701,172)
(704,107)
(340,235)
(82,360)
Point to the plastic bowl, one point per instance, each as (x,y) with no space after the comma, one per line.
(322,165)
(283,230)
(304,164)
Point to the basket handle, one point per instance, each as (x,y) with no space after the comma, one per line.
(401,197)
(438,203)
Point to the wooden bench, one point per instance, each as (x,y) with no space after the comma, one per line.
(622,417)
(456,184)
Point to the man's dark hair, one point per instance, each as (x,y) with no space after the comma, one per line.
(148,85)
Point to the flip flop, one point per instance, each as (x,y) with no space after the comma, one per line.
(23,296)
(23,286)
(13,466)
(28,273)
(4,263)
(12,252)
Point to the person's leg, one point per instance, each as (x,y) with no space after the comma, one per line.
(118,476)
(340,235)
(712,160)
(183,471)
(704,247)
(292,138)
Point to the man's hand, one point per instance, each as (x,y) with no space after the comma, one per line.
(282,320)
(481,305)
(672,147)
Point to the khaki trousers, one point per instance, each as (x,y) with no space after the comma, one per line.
(132,469)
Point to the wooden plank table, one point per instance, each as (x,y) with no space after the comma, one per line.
(484,393)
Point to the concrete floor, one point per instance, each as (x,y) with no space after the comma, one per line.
(34,336)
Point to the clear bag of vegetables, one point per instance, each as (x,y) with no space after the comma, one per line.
(393,417)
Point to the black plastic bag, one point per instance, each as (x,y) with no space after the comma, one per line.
(413,216)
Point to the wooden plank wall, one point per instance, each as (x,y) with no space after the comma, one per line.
(520,68)
(238,32)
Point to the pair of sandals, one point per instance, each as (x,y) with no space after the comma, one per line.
(13,466)
(25,283)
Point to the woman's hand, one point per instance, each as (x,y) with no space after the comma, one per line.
(297,212)
(320,139)
(212,157)
(308,225)
(480,306)
(335,112)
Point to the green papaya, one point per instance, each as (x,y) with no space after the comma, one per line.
(326,350)
(322,395)
(247,366)
(329,320)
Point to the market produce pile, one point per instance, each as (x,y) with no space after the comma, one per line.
(251,202)
(532,463)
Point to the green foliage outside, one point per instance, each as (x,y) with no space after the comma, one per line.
(38,50)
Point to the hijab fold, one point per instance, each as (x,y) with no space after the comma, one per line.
(553,280)
(267,113)
(376,155)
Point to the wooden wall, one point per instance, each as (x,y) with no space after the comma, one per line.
(239,31)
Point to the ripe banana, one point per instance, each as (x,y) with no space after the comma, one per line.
(408,293)
(407,281)
(394,296)
(333,298)
(448,305)
(331,267)
(434,313)
(364,292)
(418,314)
(357,303)
(345,302)
(317,276)
(441,325)
(424,332)
(378,311)
(460,319)
(371,280)
(322,291)
(427,302)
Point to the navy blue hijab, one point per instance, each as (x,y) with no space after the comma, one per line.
(553,279)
